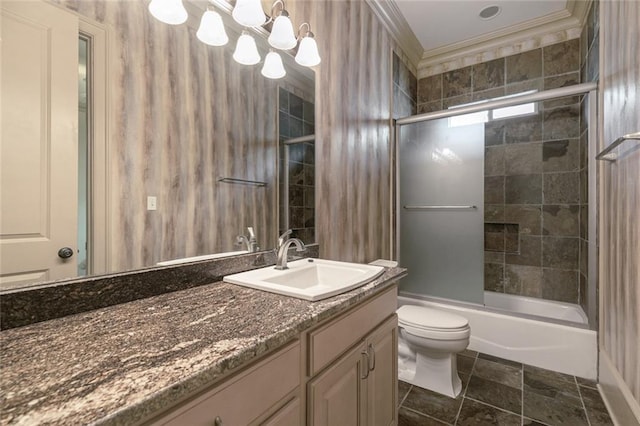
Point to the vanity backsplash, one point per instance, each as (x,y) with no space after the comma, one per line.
(67,297)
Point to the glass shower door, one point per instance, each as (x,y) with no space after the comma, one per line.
(441,208)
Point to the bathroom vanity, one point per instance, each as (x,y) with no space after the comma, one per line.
(212,353)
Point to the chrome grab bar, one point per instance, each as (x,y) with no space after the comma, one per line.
(605,153)
(440,207)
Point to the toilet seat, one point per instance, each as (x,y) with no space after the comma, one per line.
(432,323)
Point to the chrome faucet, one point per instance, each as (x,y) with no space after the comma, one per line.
(283,248)
(251,242)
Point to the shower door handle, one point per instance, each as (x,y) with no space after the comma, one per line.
(440,207)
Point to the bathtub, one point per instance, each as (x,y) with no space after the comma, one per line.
(545,334)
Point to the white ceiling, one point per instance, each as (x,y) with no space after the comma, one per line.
(438,23)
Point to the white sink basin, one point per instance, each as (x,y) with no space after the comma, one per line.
(309,279)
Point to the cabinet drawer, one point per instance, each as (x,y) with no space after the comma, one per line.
(331,340)
(244,397)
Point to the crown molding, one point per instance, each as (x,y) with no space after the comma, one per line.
(579,9)
(388,12)
(540,32)
(543,31)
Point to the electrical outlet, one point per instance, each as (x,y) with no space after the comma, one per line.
(152,203)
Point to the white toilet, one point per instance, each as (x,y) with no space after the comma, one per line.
(428,343)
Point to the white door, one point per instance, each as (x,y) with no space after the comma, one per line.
(38,142)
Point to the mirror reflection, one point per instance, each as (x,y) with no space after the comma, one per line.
(158,147)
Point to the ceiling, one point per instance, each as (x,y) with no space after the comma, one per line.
(440,23)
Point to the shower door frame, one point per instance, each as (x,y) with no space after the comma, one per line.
(590,91)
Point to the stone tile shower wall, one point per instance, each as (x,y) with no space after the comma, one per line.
(532,170)
(405,89)
(296,118)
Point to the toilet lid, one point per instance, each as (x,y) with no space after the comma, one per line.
(429,318)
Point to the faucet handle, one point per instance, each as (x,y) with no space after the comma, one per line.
(284,237)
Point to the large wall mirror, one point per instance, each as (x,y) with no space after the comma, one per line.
(127,142)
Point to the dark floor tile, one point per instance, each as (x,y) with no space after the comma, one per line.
(433,404)
(403,390)
(587,382)
(552,411)
(496,394)
(500,360)
(411,418)
(499,373)
(477,413)
(564,392)
(596,410)
(465,363)
(469,353)
(553,375)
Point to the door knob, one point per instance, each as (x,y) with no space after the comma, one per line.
(65,252)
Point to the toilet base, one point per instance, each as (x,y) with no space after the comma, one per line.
(432,370)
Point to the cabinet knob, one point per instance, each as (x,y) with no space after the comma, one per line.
(217,421)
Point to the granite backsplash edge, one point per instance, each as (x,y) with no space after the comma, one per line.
(68,297)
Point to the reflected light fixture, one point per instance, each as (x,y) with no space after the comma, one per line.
(307,55)
(246,52)
(273,67)
(168,11)
(211,30)
(282,36)
(249,13)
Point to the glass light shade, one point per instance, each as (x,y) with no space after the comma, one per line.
(282,36)
(246,52)
(308,55)
(211,30)
(168,11)
(249,13)
(273,67)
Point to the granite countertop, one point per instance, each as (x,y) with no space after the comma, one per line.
(119,364)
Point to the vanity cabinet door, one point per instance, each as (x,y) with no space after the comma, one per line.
(382,383)
(361,387)
(336,395)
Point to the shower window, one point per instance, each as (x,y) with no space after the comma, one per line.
(494,114)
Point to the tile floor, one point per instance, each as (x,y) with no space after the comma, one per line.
(496,391)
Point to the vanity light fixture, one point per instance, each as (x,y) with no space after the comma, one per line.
(249,13)
(273,67)
(168,11)
(211,30)
(246,52)
(307,55)
(282,36)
